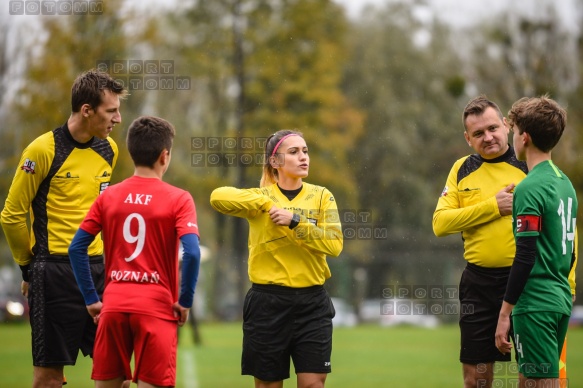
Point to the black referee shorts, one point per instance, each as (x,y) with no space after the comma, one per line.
(481,295)
(283,322)
(61,325)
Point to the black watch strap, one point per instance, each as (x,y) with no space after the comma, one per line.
(294,221)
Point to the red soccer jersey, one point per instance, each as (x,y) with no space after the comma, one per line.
(141,220)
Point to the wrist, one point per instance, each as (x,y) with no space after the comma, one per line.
(506,310)
(25,269)
(294,221)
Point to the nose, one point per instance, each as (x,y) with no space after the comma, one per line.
(116,118)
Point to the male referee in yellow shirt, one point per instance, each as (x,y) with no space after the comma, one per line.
(59,176)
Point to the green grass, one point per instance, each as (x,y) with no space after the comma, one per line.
(363,357)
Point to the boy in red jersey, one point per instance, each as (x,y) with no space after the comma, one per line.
(141,220)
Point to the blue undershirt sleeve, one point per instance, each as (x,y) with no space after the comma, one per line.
(190,268)
(80,263)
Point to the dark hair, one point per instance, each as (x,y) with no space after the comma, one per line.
(89,87)
(477,106)
(541,117)
(269,175)
(147,137)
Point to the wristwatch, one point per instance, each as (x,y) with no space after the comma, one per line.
(294,221)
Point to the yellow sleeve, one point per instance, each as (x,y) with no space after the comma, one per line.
(450,217)
(572,276)
(32,169)
(245,203)
(327,236)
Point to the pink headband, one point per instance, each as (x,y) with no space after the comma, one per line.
(281,141)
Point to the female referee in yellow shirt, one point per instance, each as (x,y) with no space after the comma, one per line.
(293,226)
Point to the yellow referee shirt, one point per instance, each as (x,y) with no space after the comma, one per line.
(279,255)
(468,206)
(57,180)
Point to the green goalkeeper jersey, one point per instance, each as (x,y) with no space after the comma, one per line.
(545,205)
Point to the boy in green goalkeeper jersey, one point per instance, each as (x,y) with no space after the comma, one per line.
(538,294)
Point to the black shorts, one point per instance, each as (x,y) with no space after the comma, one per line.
(481,295)
(61,325)
(282,322)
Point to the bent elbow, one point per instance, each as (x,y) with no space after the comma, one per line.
(439,232)
(215,200)
(337,249)
(438,229)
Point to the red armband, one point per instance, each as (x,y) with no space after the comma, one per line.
(528,223)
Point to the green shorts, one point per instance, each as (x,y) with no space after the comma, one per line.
(539,338)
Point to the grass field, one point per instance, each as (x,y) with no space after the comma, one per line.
(363,357)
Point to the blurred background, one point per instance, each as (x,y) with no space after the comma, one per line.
(377,87)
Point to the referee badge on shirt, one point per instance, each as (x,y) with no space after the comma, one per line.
(103,186)
(28,166)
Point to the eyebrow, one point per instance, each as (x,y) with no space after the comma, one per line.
(296,147)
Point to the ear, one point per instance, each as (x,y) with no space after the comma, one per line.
(164,157)
(273,161)
(86,110)
(467,138)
